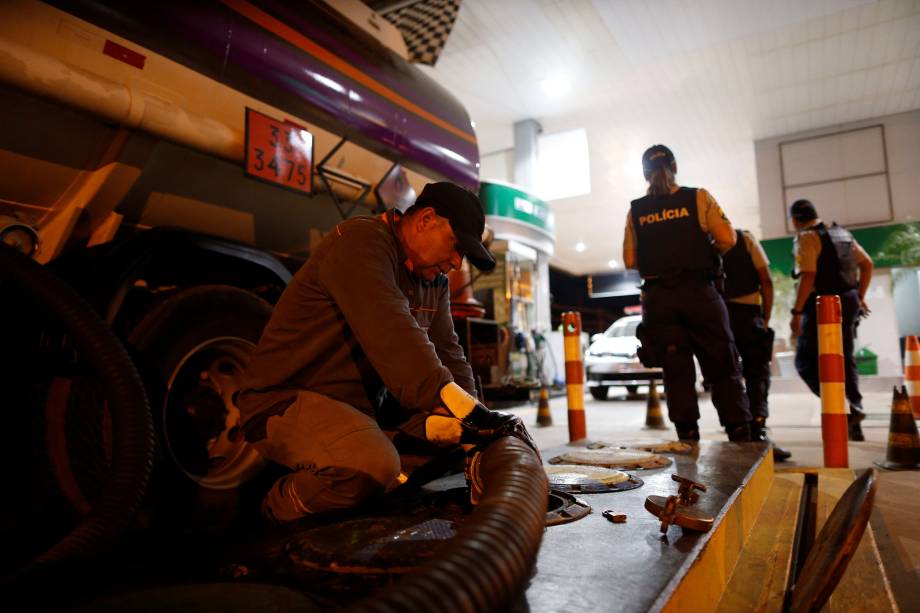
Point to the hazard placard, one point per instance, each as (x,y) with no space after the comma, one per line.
(278,152)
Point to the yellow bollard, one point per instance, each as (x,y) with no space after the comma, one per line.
(574,375)
(833,383)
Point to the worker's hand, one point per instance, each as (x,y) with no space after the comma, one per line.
(865,308)
(796,325)
(448,430)
(481,425)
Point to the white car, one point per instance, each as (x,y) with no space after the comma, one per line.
(611,360)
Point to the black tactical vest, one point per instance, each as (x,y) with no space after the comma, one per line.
(836,263)
(669,239)
(741,276)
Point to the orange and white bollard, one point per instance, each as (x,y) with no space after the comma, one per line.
(574,375)
(832,375)
(912,373)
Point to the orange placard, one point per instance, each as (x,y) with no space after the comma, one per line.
(280,153)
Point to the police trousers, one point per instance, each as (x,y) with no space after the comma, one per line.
(687,317)
(339,457)
(806,348)
(755,345)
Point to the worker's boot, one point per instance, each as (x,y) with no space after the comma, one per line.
(855,417)
(759,433)
(687,431)
(738,433)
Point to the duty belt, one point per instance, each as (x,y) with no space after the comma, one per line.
(676,278)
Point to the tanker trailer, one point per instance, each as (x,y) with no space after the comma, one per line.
(175,162)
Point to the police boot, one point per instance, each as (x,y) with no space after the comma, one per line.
(759,433)
(738,433)
(687,431)
(854,429)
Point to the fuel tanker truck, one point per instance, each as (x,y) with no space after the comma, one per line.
(174,163)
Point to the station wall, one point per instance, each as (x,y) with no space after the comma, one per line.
(902,158)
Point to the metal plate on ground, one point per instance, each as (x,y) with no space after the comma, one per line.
(391,545)
(563,508)
(581,479)
(652,446)
(622,459)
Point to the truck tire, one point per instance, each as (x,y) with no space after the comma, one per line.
(632,390)
(599,392)
(192,350)
(68,363)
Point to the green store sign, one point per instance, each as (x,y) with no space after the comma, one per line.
(509,202)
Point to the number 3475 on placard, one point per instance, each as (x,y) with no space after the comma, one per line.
(278,152)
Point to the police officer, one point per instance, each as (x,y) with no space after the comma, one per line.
(748,292)
(828,261)
(669,238)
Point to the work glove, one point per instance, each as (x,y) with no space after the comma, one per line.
(479,425)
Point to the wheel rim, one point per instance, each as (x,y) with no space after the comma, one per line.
(201,419)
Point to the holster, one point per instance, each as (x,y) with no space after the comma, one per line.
(646,351)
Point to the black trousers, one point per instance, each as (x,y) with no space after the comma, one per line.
(687,317)
(806,348)
(755,344)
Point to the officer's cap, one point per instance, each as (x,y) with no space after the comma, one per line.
(803,210)
(656,156)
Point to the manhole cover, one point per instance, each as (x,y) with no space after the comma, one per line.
(623,459)
(646,445)
(392,545)
(579,479)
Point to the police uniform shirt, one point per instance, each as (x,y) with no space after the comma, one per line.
(712,221)
(760,260)
(807,248)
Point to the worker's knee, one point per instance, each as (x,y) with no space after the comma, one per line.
(355,467)
(365,459)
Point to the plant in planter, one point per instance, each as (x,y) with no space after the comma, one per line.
(902,246)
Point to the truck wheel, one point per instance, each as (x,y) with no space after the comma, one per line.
(632,390)
(599,392)
(192,350)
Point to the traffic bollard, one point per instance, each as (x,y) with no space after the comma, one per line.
(574,375)
(833,382)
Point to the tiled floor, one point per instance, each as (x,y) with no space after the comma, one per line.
(795,424)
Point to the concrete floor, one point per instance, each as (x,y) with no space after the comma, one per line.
(795,424)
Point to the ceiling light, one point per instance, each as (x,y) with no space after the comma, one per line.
(612,263)
(556,85)
(579,246)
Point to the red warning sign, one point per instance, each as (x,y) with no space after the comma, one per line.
(278,152)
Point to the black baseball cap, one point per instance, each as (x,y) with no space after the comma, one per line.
(656,156)
(463,210)
(803,210)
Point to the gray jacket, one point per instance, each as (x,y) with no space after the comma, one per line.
(352,321)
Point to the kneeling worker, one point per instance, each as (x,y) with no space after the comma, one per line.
(748,293)
(669,236)
(368,317)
